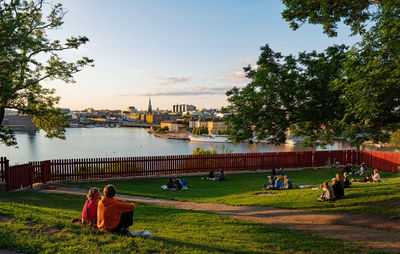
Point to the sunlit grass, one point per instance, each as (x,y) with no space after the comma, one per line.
(40,223)
(244,189)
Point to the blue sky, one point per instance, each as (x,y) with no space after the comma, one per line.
(176,51)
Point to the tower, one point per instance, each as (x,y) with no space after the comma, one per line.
(149,110)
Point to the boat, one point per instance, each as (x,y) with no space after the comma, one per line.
(209,138)
(294,141)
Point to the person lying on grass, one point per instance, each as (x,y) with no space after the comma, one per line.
(367,179)
(327,193)
(114,215)
(89,211)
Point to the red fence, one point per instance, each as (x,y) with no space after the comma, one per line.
(19,176)
(98,168)
(381,160)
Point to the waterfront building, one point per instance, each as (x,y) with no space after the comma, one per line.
(19,123)
(215,126)
(173,126)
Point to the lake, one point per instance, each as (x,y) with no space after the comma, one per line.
(121,142)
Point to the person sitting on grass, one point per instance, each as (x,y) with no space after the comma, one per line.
(346,180)
(327,193)
(347,169)
(362,170)
(271,183)
(281,172)
(89,211)
(273,172)
(338,189)
(211,174)
(367,179)
(278,183)
(221,176)
(114,215)
(287,183)
(171,184)
(376,177)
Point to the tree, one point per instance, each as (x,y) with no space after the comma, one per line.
(27,58)
(395,138)
(288,93)
(329,13)
(371,78)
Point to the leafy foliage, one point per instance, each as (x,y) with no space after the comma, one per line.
(395,138)
(203,130)
(288,92)
(28,57)
(329,13)
(214,150)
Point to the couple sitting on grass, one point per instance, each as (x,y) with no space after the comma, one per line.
(109,214)
(333,191)
(276,183)
(376,177)
(218,178)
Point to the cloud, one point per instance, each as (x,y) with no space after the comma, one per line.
(232,76)
(198,90)
(171,80)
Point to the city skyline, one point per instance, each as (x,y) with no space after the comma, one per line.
(174,51)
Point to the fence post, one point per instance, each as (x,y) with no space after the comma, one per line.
(6,173)
(45,171)
(31,171)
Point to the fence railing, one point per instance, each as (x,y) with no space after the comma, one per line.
(100,168)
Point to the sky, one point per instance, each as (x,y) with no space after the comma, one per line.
(174,51)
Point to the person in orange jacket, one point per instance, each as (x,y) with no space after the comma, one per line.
(114,215)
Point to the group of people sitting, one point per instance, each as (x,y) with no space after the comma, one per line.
(219,177)
(278,182)
(335,190)
(177,184)
(109,214)
(374,178)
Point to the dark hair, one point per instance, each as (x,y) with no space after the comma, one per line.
(109,191)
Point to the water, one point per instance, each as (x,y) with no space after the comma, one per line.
(120,142)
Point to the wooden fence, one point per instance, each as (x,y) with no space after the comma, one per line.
(100,168)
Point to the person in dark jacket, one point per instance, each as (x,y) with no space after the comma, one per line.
(338,189)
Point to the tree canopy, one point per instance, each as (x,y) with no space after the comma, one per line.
(28,57)
(361,82)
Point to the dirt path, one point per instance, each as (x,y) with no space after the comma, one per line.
(378,233)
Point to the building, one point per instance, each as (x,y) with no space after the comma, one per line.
(132,109)
(183,108)
(19,123)
(216,125)
(173,126)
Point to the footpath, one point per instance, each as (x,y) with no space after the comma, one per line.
(379,233)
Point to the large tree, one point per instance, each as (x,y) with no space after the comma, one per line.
(28,57)
(368,82)
(288,93)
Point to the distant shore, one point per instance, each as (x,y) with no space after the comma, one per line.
(169,135)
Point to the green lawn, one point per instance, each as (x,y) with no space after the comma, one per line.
(243,189)
(33,222)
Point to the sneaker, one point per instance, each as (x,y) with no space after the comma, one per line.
(148,234)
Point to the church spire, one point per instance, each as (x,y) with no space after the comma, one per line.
(149,110)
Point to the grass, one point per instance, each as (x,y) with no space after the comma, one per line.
(33,222)
(243,189)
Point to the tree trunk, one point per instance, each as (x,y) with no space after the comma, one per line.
(2,113)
